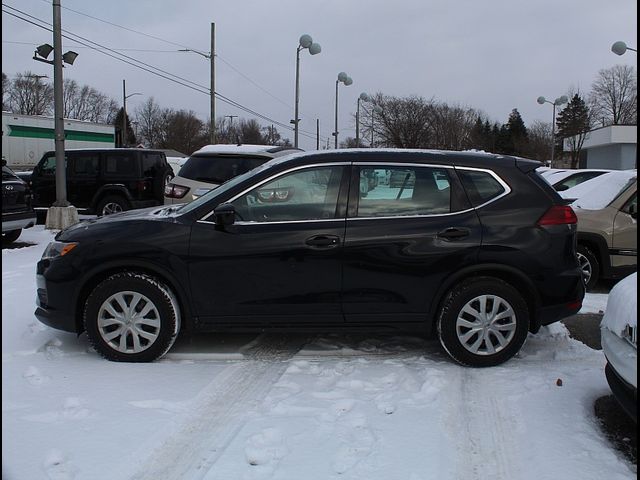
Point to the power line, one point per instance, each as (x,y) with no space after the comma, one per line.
(184,46)
(164,74)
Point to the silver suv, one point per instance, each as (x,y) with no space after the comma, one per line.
(213,165)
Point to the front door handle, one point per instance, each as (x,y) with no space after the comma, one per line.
(326,241)
(452,233)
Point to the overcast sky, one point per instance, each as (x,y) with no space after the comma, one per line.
(491,55)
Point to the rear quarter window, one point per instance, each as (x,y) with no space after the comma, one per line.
(480,186)
(119,164)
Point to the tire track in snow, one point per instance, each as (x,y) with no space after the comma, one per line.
(217,416)
(486,442)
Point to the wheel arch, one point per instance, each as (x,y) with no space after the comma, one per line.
(508,274)
(598,246)
(96,276)
(110,189)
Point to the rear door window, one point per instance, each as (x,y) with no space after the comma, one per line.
(403,191)
(86,164)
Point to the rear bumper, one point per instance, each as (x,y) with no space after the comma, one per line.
(17,221)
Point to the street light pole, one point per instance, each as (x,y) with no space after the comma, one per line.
(619,48)
(305,42)
(346,79)
(558,101)
(124,113)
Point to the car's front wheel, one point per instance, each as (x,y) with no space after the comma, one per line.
(483,322)
(131,317)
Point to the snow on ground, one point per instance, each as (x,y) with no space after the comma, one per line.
(271,407)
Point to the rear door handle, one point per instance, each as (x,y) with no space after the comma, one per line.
(454,233)
(326,241)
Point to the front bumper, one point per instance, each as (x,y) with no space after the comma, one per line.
(621,370)
(55,304)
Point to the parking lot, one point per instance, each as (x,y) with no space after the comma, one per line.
(253,406)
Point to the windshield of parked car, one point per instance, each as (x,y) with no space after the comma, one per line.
(7,174)
(600,191)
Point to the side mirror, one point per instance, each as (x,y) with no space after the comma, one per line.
(225,214)
(561,188)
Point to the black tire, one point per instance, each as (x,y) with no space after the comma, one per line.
(112,204)
(10,236)
(115,334)
(480,341)
(589,265)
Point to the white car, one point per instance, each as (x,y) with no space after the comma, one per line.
(619,331)
(213,165)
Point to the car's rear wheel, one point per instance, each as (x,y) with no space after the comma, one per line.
(483,322)
(10,236)
(112,204)
(589,265)
(131,317)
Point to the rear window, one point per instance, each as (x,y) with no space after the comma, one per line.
(218,168)
(152,164)
(480,186)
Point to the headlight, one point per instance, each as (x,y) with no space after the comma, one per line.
(58,249)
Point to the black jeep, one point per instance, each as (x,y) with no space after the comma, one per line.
(104,181)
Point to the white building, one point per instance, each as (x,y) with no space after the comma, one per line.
(613,147)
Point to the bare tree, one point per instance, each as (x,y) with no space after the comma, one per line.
(401,122)
(86,103)
(150,122)
(614,95)
(28,95)
(6,84)
(540,138)
(451,126)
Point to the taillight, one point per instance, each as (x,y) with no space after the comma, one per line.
(559,215)
(142,185)
(172,190)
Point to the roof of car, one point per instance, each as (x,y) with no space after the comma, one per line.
(267,150)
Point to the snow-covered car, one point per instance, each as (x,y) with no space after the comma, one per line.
(563,180)
(607,211)
(619,331)
(213,165)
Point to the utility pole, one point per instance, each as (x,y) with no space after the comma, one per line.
(62,214)
(230,117)
(317,134)
(213,83)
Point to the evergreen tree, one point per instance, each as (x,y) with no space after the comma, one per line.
(518,135)
(573,124)
(130,139)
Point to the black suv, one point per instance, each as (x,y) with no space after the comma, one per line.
(478,248)
(17,212)
(104,181)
